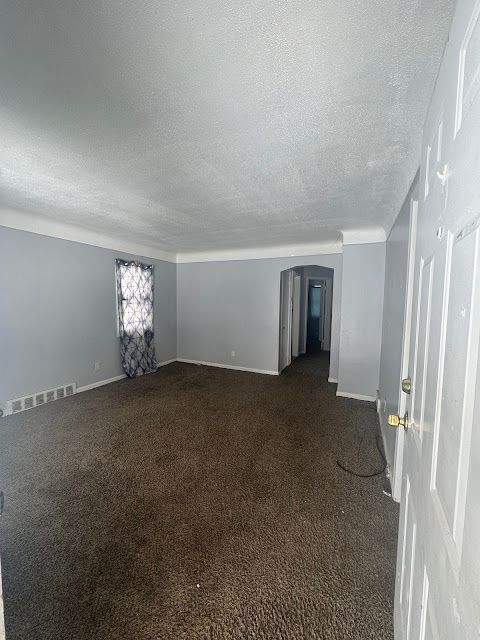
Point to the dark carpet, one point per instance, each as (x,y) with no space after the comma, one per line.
(197,503)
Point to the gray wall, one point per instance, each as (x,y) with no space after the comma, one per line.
(396,268)
(234,306)
(58,313)
(361,326)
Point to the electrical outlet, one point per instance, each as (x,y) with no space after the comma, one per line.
(97,365)
(233,354)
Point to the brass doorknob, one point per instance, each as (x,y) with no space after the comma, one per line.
(407,385)
(395,420)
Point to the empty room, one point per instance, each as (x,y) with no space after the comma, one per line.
(239,320)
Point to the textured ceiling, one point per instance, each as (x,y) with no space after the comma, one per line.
(195,125)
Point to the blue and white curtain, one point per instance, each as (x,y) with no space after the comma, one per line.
(135,317)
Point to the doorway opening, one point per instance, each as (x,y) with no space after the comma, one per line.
(318,316)
(306,297)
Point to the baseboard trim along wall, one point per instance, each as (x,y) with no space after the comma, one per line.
(101,383)
(165,362)
(228,366)
(355,396)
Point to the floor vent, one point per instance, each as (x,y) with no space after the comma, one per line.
(37,399)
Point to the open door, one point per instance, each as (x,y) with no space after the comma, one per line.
(438,564)
(286,303)
(297,289)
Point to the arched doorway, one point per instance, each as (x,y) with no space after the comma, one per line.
(306,294)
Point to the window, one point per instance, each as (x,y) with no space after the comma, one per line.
(135,316)
(135,297)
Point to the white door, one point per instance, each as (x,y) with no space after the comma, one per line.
(286,301)
(297,289)
(438,568)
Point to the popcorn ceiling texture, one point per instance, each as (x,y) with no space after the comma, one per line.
(213,124)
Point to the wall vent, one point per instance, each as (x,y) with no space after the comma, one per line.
(37,399)
(17,405)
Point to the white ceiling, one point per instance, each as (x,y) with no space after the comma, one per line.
(197,125)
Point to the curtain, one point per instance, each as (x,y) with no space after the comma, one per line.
(135,317)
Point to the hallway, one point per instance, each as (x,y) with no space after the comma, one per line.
(198,503)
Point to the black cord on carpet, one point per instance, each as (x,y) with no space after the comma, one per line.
(367,475)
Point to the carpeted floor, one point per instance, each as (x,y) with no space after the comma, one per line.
(198,504)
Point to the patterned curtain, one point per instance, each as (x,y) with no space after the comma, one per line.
(135,317)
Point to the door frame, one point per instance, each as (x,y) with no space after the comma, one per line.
(296,299)
(285,319)
(327,311)
(397,471)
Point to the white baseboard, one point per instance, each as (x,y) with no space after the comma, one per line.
(101,383)
(334,380)
(355,396)
(165,362)
(228,366)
